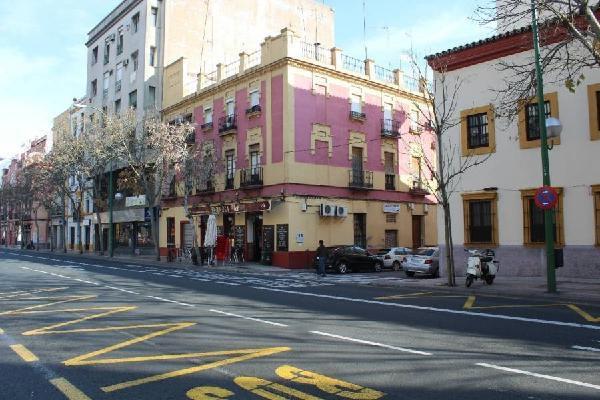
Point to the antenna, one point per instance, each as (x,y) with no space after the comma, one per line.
(365,28)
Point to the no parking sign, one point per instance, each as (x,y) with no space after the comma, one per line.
(546,197)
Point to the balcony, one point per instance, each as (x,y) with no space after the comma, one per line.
(390,182)
(207,126)
(118,86)
(418,188)
(207,188)
(358,116)
(191,137)
(251,177)
(390,128)
(227,124)
(253,111)
(359,179)
(229,182)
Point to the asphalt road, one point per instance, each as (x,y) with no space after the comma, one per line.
(88,329)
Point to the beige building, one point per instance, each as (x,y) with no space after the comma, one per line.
(493,205)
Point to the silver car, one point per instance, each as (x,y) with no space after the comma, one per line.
(426,260)
(395,257)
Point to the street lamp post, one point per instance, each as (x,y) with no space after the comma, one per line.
(548,214)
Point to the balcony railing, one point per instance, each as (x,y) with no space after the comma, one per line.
(353,64)
(418,188)
(251,177)
(208,187)
(390,182)
(229,182)
(357,115)
(227,124)
(390,128)
(360,179)
(191,137)
(314,52)
(206,126)
(256,109)
(254,59)
(384,74)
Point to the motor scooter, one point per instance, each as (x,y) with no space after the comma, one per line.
(481,265)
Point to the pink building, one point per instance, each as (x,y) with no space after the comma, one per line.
(308,144)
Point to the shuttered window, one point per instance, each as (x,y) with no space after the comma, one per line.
(480,212)
(533,220)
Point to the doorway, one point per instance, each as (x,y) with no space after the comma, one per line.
(254,236)
(72,237)
(360,230)
(87,238)
(417,231)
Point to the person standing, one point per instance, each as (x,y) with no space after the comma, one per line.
(321,256)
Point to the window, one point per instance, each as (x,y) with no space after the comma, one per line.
(529,133)
(594,110)
(135,22)
(356,103)
(533,220)
(94,55)
(254,159)
(134,60)
(596,193)
(120,41)
(480,218)
(391,238)
(133,99)
(105,83)
(87,205)
(230,107)
(230,169)
(152,56)
(208,115)
(414,122)
(254,98)
(390,218)
(118,106)
(94,87)
(390,176)
(106,53)
(152,97)
(478,134)
(154,12)
(119,77)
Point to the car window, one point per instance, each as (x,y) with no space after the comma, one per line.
(359,250)
(383,251)
(425,252)
(399,252)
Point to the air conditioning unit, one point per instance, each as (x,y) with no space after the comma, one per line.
(112,37)
(126,62)
(327,210)
(341,211)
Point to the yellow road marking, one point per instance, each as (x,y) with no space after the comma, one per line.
(401,296)
(469,303)
(1,331)
(68,299)
(51,328)
(471,300)
(66,388)
(329,385)
(247,355)
(257,386)
(18,293)
(584,314)
(208,393)
(24,353)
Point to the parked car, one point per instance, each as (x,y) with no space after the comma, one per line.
(426,260)
(394,258)
(343,259)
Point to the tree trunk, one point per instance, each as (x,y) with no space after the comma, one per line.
(155,232)
(195,246)
(64,226)
(449,245)
(79,242)
(101,238)
(37,229)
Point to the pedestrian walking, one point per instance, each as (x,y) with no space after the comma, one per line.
(321,257)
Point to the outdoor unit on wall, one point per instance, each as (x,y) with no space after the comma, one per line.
(327,210)
(341,211)
(126,62)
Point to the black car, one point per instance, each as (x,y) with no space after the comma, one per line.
(344,259)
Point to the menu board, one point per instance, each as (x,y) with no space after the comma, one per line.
(268,238)
(282,237)
(239,236)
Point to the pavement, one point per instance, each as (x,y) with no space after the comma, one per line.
(81,328)
(568,289)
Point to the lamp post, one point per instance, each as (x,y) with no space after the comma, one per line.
(548,214)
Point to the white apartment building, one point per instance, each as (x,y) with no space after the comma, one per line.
(493,206)
(129,48)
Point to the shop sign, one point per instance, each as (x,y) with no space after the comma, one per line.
(300,238)
(135,201)
(391,208)
(239,236)
(282,237)
(231,208)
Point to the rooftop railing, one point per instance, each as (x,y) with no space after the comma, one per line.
(353,64)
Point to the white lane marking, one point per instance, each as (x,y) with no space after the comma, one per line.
(536,375)
(175,276)
(120,290)
(97,265)
(249,318)
(369,343)
(201,280)
(586,348)
(435,309)
(170,301)
(26,268)
(228,283)
(54,259)
(133,265)
(157,273)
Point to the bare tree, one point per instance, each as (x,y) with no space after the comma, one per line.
(569,34)
(151,152)
(439,115)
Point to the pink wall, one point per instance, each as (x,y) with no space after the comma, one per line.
(277,118)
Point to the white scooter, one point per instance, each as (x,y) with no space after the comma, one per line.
(481,265)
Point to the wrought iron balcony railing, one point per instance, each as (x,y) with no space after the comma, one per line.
(390,128)
(359,179)
(251,177)
(390,182)
(227,123)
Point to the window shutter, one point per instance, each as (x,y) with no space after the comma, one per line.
(467,221)
(526,221)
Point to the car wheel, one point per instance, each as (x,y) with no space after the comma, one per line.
(489,279)
(396,266)
(410,274)
(378,267)
(342,267)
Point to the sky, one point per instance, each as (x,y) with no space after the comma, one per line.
(44,56)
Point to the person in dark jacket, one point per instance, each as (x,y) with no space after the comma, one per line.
(322,257)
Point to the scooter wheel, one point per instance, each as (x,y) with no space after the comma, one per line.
(469,281)
(489,280)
